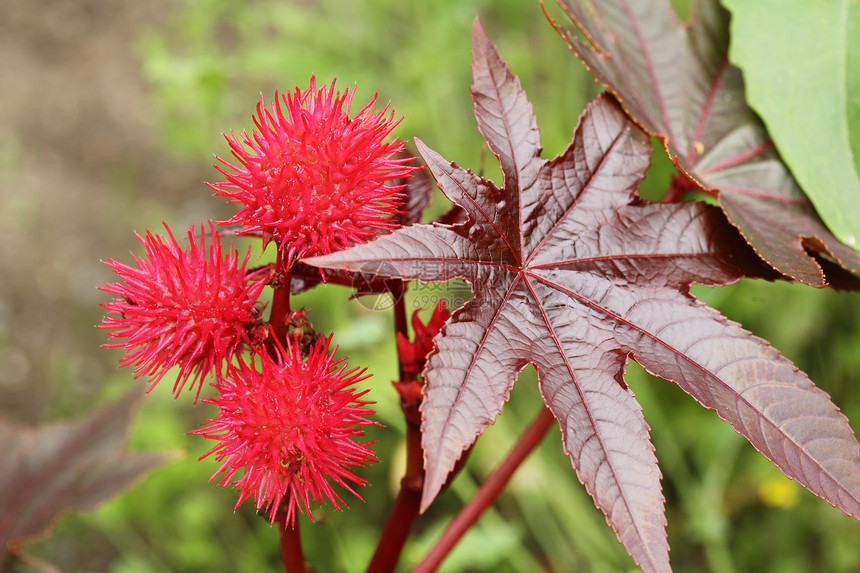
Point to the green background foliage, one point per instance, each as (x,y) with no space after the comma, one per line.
(728,509)
(802,74)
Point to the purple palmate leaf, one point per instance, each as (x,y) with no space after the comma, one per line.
(675,80)
(54,469)
(573,273)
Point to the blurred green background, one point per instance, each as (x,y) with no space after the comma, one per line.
(111,114)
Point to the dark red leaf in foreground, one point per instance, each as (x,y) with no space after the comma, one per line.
(573,273)
(676,81)
(53,469)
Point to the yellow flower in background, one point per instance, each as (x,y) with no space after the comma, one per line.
(778,491)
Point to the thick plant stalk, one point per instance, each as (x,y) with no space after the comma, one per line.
(291,545)
(401,322)
(279,315)
(487,493)
(292,555)
(408,502)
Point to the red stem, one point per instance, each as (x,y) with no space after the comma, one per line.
(408,502)
(406,506)
(280,313)
(291,545)
(487,493)
(401,324)
(279,317)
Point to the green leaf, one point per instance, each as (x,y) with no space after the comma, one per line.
(801,64)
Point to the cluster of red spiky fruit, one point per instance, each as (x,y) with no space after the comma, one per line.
(311,179)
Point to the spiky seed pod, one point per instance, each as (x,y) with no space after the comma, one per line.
(310,177)
(192,308)
(289,424)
